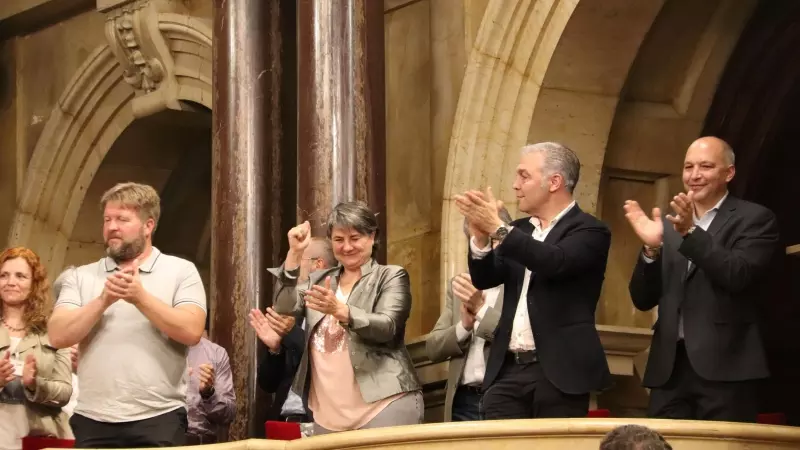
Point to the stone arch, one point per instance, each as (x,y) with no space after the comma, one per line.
(552,70)
(100,101)
(534,67)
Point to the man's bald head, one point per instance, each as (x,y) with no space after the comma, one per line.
(717,144)
(707,169)
(317,256)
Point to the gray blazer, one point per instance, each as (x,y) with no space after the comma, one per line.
(380,303)
(442,343)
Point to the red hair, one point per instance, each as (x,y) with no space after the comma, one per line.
(39,303)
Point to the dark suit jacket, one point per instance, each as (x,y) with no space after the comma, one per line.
(276,372)
(718,296)
(567,272)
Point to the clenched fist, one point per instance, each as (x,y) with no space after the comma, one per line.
(300,237)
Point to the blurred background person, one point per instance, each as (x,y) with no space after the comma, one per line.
(210,398)
(284,338)
(356,372)
(35,381)
(463,334)
(634,437)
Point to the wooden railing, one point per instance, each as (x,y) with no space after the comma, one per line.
(626,352)
(541,434)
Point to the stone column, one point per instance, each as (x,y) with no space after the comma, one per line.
(341,130)
(246,187)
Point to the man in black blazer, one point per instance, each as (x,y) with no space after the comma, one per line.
(276,372)
(546,357)
(285,342)
(704,268)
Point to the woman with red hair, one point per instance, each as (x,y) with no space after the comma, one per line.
(35,378)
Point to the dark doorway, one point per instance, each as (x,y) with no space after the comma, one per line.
(757,110)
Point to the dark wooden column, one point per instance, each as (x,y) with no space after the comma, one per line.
(247,187)
(341,131)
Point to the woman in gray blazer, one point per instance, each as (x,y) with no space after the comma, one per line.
(356,372)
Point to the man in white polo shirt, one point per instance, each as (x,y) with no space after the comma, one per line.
(134,313)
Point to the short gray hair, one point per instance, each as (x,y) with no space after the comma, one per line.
(728,154)
(505,216)
(356,215)
(558,158)
(326,250)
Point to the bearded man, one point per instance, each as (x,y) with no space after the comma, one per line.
(134,313)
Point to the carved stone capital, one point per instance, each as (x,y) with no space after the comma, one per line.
(133,33)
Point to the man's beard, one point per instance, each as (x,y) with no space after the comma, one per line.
(127,251)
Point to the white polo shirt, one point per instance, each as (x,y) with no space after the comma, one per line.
(129,370)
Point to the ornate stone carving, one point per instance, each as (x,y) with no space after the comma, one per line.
(128,32)
(135,37)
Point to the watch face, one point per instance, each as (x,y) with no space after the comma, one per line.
(501,233)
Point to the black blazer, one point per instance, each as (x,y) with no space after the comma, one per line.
(718,296)
(276,372)
(567,272)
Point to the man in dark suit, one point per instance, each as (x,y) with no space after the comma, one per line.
(704,268)
(285,341)
(276,372)
(546,356)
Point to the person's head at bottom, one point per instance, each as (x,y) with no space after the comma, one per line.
(634,437)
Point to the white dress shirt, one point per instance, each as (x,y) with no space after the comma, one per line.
(700,222)
(475,365)
(521,332)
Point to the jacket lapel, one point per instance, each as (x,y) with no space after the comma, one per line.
(724,214)
(560,227)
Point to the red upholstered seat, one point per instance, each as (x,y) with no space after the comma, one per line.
(772,418)
(38,443)
(599,413)
(281,431)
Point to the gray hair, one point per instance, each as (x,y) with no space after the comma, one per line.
(356,215)
(727,153)
(505,216)
(634,437)
(326,252)
(559,159)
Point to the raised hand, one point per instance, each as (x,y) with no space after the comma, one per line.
(683,206)
(205,376)
(650,231)
(299,237)
(481,211)
(322,298)
(264,331)
(466,292)
(29,372)
(467,317)
(6,370)
(126,284)
(280,323)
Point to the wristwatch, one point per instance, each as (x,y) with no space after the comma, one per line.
(206,395)
(500,233)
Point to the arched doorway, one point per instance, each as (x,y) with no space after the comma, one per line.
(756,110)
(171,151)
(91,115)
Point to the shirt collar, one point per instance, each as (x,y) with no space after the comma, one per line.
(538,223)
(715,208)
(144,266)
